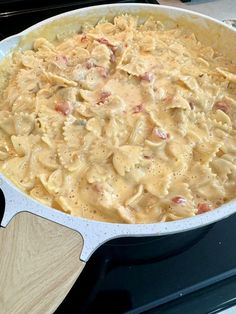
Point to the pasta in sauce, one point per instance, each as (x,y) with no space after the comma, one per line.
(124,122)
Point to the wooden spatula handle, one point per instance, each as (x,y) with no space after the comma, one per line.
(39,263)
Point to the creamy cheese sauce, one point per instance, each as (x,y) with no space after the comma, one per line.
(124,122)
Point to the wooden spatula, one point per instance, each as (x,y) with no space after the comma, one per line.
(39,263)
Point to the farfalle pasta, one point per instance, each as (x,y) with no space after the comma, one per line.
(124,122)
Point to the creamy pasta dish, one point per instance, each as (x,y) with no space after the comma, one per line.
(122,122)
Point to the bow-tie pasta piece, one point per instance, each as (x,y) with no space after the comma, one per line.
(157,184)
(49,159)
(99,151)
(126,22)
(71,158)
(95,126)
(117,130)
(140,131)
(99,173)
(53,182)
(205,185)
(21,167)
(101,55)
(74,131)
(205,151)
(126,158)
(18,124)
(222,167)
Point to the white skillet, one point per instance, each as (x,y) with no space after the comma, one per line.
(94,233)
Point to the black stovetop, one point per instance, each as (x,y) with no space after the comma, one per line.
(194,272)
(17,15)
(199,277)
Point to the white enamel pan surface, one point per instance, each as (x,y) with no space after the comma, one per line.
(213,32)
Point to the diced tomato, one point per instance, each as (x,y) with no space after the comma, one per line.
(147,76)
(97,187)
(114,48)
(103,71)
(168,99)
(103,41)
(113,58)
(160,133)
(104,95)
(64,107)
(84,38)
(89,64)
(221,105)
(62,59)
(179,200)
(65,58)
(138,108)
(107,43)
(203,208)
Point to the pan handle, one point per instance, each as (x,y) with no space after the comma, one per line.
(17,202)
(11,201)
(39,263)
